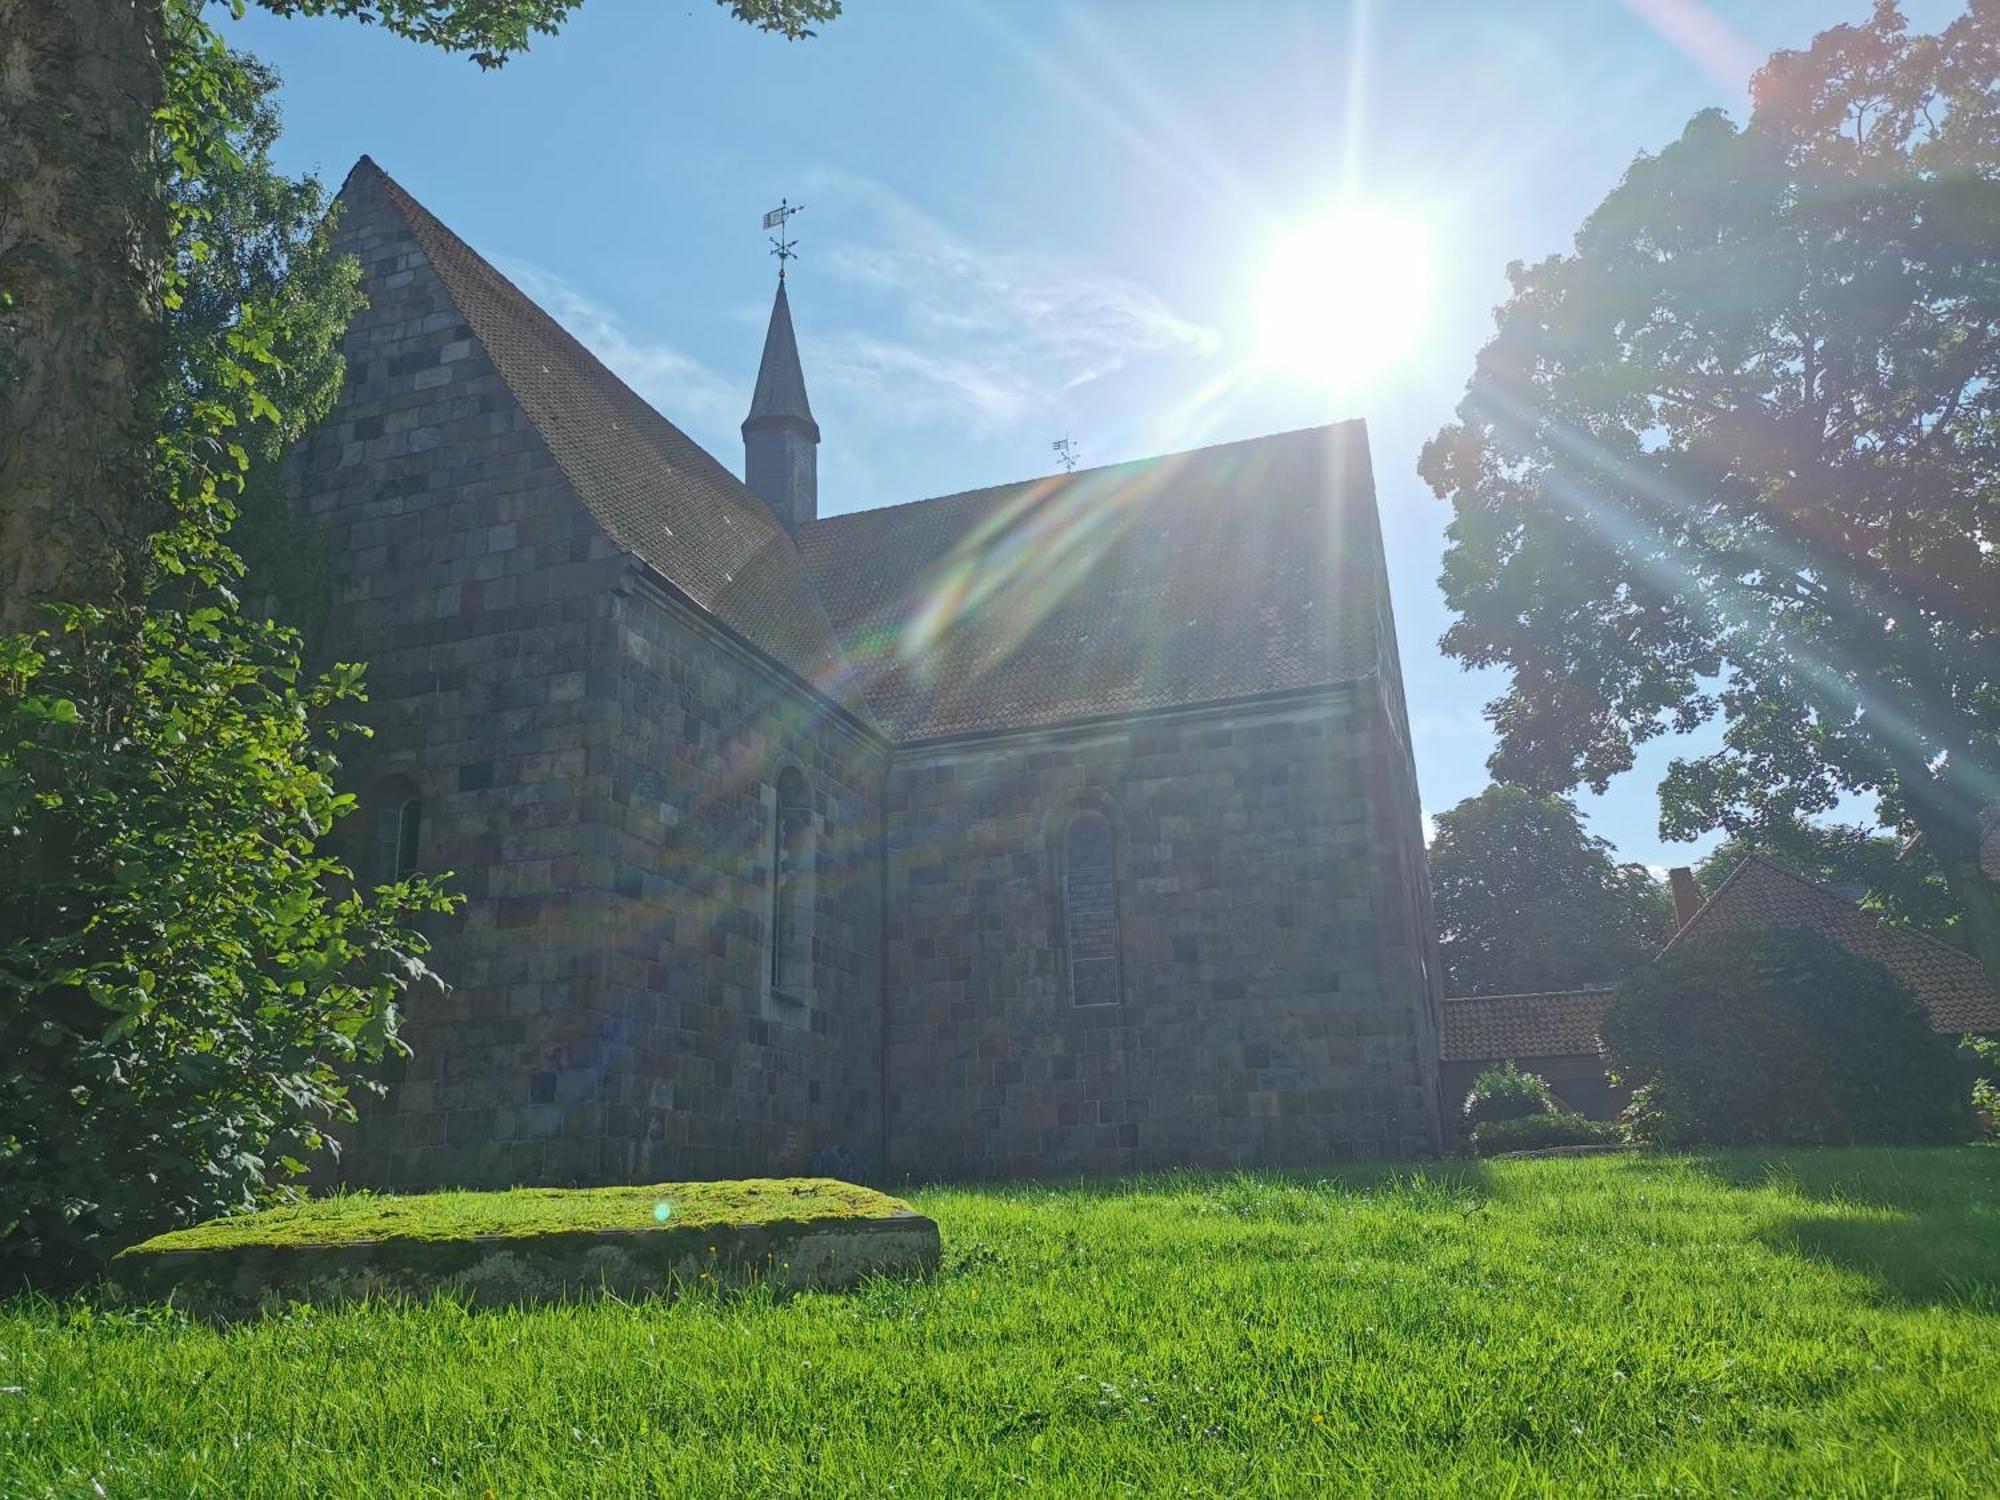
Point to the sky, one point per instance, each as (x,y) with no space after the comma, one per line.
(1029,219)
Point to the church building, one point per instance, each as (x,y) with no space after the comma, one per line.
(1065,826)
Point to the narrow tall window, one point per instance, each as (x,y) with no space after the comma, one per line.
(792,888)
(398,831)
(1090,909)
(409,835)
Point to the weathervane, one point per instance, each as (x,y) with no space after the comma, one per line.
(1065,451)
(781,244)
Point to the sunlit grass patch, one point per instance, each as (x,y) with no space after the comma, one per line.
(1621,1326)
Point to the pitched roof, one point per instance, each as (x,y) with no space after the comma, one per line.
(655,491)
(1491,1028)
(781,383)
(1225,572)
(1950,983)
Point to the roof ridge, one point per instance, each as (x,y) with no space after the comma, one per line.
(1064,479)
(1221,572)
(654,492)
(1820,887)
(413,209)
(1585,989)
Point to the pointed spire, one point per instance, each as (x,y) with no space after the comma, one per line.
(780,437)
(781,382)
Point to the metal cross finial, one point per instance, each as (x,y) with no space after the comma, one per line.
(1065,450)
(781,244)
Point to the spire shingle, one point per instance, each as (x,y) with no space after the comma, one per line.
(781,382)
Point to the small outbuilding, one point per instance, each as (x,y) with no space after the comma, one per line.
(1555,1034)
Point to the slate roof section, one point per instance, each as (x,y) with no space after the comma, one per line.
(1949,982)
(1226,572)
(654,490)
(1493,1028)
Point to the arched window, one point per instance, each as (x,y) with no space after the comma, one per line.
(397,831)
(1090,909)
(792,852)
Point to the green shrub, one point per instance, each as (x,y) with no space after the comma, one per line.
(1506,1093)
(1537,1132)
(189,986)
(1772,1036)
(1985,1091)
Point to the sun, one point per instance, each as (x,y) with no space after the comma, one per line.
(1346,297)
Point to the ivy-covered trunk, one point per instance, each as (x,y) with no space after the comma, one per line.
(82,250)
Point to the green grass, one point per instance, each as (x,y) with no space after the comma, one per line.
(1808,1323)
(353,1218)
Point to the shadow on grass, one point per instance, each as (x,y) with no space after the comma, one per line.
(1924,1225)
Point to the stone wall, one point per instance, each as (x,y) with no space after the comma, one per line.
(729,1075)
(590,759)
(1274,1005)
(476,589)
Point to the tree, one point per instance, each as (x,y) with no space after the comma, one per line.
(1887,876)
(83,247)
(190,988)
(1737,458)
(1526,900)
(1771,1036)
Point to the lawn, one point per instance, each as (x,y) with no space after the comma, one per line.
(1800,1323)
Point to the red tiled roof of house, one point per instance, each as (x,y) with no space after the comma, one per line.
(656,492)
(1949,982)
(1492,1028)
(1226,572)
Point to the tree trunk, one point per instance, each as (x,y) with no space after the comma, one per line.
(82,250)
(1980,897)
(1954,842)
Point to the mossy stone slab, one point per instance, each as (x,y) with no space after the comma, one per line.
(534,1245)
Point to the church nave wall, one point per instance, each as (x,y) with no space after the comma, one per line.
(1264,1015)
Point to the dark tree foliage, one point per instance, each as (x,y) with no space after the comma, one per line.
(1737,458)
(190,987)
(1526,900)
(258,287)
(491,31)
(1779,1036)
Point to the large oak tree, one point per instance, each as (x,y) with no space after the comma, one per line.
(83,245)
(1735,460)
(1528,900)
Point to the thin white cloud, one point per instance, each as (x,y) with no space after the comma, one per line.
(993,338)
(1464,721)
(921,386)
(688,392)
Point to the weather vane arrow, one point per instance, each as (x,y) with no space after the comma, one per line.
(782,245)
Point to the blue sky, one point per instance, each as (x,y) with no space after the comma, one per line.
(1026,217)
